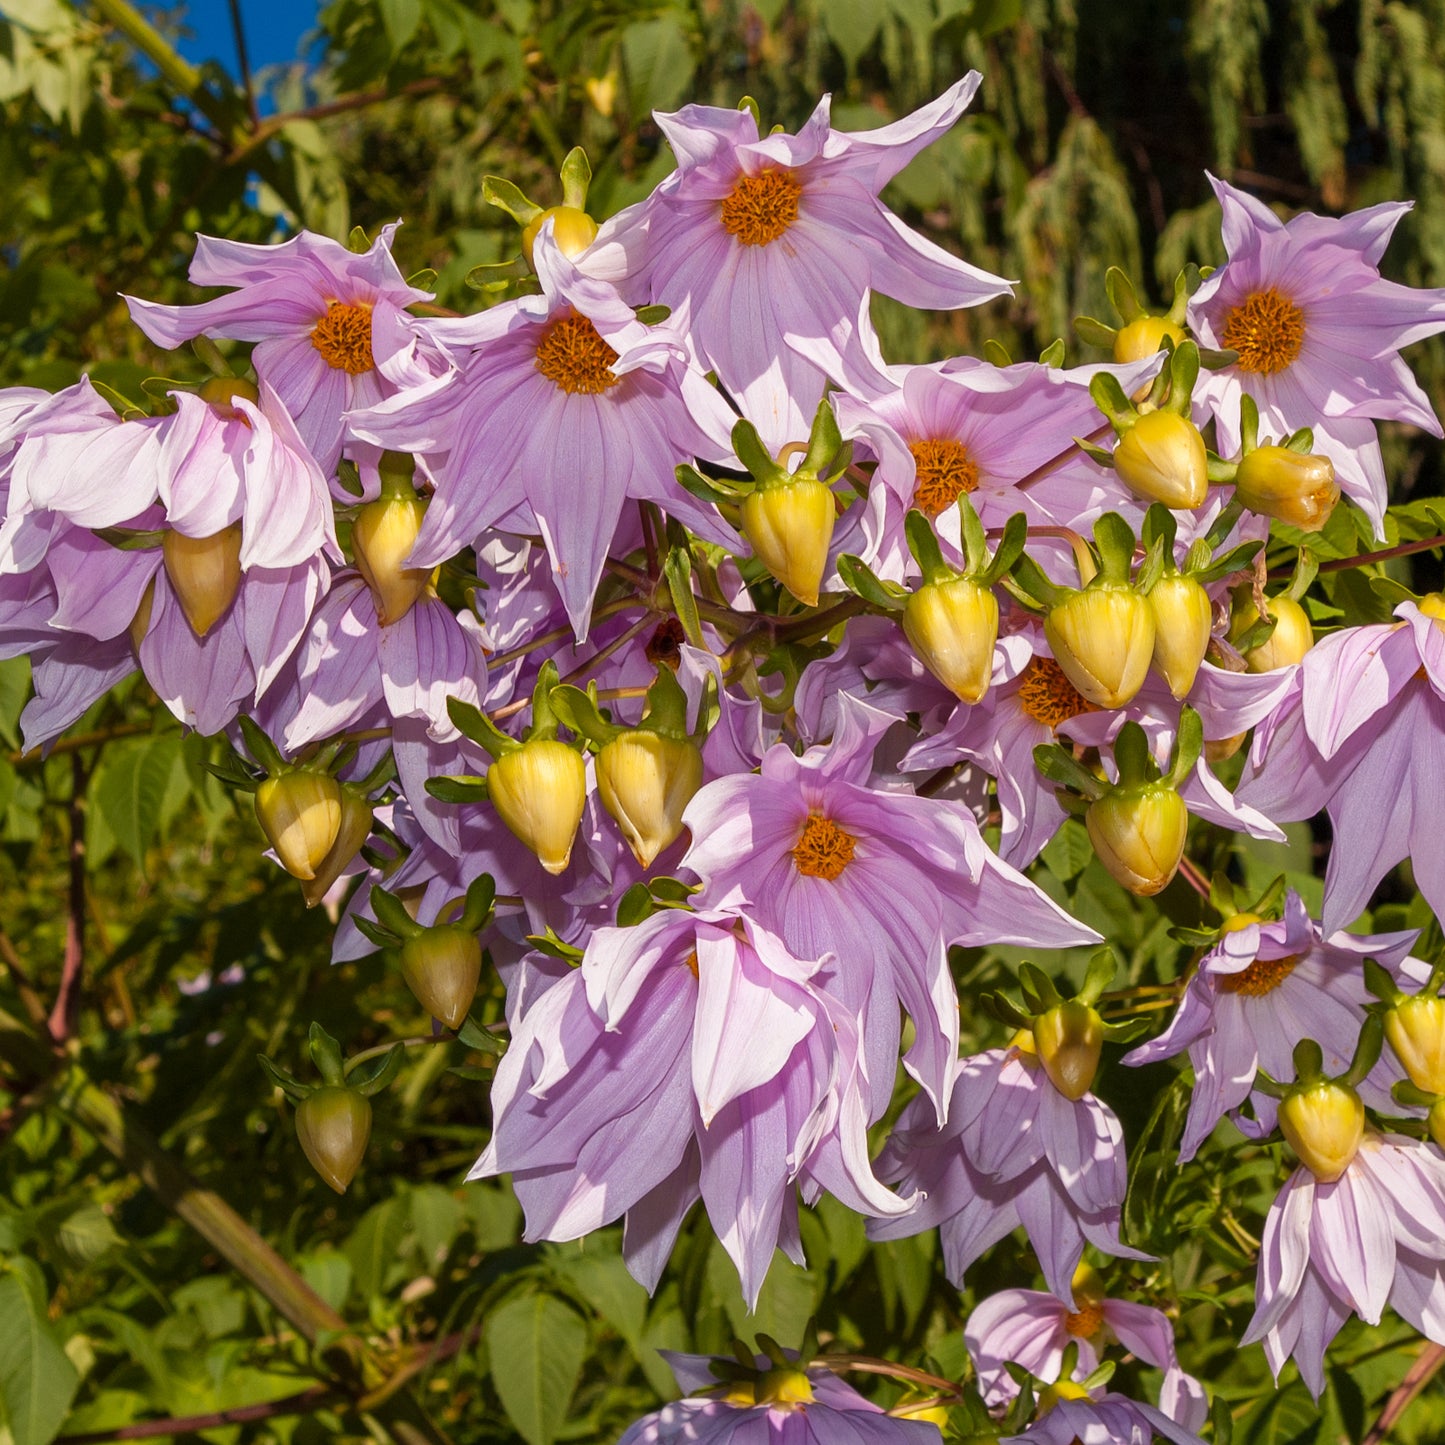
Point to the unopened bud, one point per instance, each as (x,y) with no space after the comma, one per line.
(1323,1123)
(1059,1390)
(1415,1028)
(442,967)
(1183,620)
(333,1124)
(1435,1122)
(140,624)
(932,1414)
(1216,750)
(1292,487)
(351,834)
(1139,835)
(789,528)
(205,573)
(572,229)
(300,814)
(382,537)
(785,1388)
(220,392)
(1143,336)
(1070,1038)
(645,781)
(1103,638)
(539,791)
(1432,605)
(1162,458)
(1286,645)
(953,626)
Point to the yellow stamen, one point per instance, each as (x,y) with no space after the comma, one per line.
(945,472)
(1267,330)
(691,962)
(761,208)
(1263,976)
(343,337)
(575,358)
(1048,696)
(1084,1324)
(823,849)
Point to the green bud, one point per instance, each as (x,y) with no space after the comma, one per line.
(1138,833)
(1162,458)
(1292,487)
(789,527)
(1183,620)
(1069,1040)
(351,833)
(952,626)
(1103,638)
(539,791)
(1415,1028)
(442,966)
(1323,1123)
(333,1124)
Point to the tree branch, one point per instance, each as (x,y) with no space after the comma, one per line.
(301,1404)
(62,1016)
(1427,1363)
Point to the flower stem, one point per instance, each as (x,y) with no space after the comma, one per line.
(868,1365)
(1368,559)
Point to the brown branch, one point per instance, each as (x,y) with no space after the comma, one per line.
(301,1404)
(1427,1363)
(35,757)
(67,1001)
(244,60)
(1367,559)
(269,129)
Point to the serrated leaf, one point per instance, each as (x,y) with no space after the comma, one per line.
(536,1346)
(37,1380)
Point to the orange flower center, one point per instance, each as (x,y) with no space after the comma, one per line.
(760,208)
(823,849)
(1084,1324)
(1263,976)
(575,358)
(945,472)
(1267,330)
(1048,696)
(343,337)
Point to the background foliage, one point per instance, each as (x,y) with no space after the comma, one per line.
(122,856)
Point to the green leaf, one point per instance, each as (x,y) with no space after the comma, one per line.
(130,788)
(536,1345)
(37,1380)
(401,18)
(852,26)
(372,1247)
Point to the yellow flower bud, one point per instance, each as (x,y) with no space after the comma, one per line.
(1183,619)
(1059,1390)
(1143,336)
(300,814)
(1432,605)
(645,781)
(539,791)
(442,968)
(953,626)
(1323,1124)
(572,229)
(1103,638)
(382,538)
(1415,1028)
(1286,645)
(1216,750)
(933,1414)
(1139,835)
(354,830)
(1289,486)
(1070,1039)
(784,1387)
(1435,1122)
(789,528)
(221,391)
(205,573)
(1162,458)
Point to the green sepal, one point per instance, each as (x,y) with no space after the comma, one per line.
(1188,744)
(1225,522)
(707,489)
(1005,1010)
(652,315)
(1034,582)
(1132,757)
(1306,568)
(1309,1062)
(1103,965)
(123,406)
(261,748)
(457,789)
(1412,1096)
(1268,1085)
(209,355)
(1183,373)
(496,275)
(1121,294)
(923,543)
(1234,560)
(371,1077)
(1114,540)
(375,935)
(756,457)
(1302,441)
(232,771)
(131,539)
(478,906)
(664,708)
(1036,984)
(481,1040)
(576,176)
(477,727)
(1269,904)
(554,947)
(578,711)
(1157,560)
(1367,1051)
(1010,547)
(825,441)
(423,280)
(1110,399)
(1186,283)
(1214,358)
(774,1351)
(506,197)
(1218,470)
(348,478)
(996,353)
(1053,354)
(544,721)
(748,104)
(1248,424)
(1060,767)
(294,1089)
(392,915)
(635,905)
(677,571)
(975,539)
(673,892)
(860,579)
(1222,896)
(1391,592)
(1379,983)
(326,1055)
(1102,455)
(1093,332)
(358,242)
(1127,1031)
(1159,525)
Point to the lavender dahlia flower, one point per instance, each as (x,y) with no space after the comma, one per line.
(1318,332)
(881,878)
(1107,1420)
